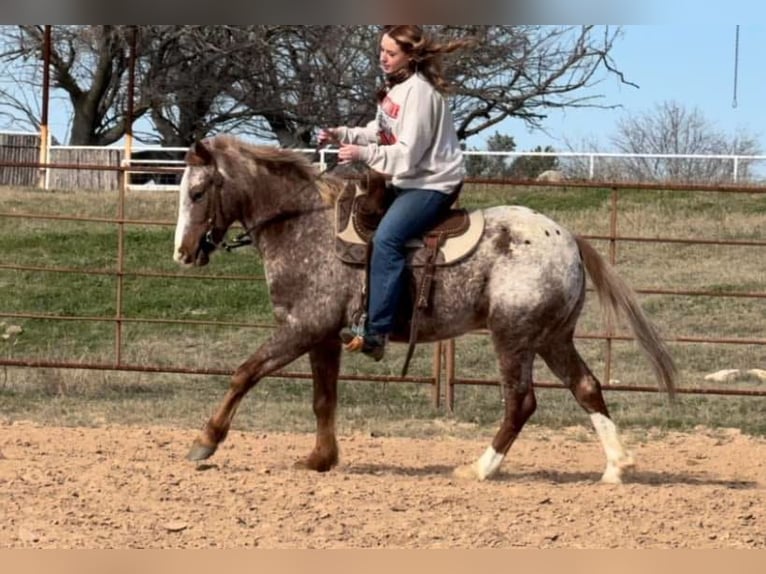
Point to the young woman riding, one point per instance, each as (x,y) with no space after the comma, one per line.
(413,140)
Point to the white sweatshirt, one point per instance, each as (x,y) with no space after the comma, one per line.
(412,138)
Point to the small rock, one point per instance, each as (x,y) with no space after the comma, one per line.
(175,526)
(553,175)
(12,330)
(723,376)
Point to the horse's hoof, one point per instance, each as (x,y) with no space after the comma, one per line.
(306,464)
(466,472)
(310,463)
(612,475)
(614,471)
(200,451)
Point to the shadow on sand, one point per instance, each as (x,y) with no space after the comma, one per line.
(556,477)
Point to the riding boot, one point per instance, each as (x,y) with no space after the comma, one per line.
(369,344)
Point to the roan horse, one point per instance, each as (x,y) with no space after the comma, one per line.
(524,282)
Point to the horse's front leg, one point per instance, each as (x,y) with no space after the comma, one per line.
(281,349)
(325,366)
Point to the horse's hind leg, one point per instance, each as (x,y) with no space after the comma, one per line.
(325,366)
(520,403)
(565,362)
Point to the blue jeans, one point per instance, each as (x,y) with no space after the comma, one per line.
(411,214)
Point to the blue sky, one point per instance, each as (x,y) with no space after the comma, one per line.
(690,63)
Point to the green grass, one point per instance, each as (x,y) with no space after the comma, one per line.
(80,398)
(87,397)
(553,200)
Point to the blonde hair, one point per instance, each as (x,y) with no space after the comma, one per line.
(425,53)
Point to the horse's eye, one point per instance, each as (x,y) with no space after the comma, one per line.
(197,195)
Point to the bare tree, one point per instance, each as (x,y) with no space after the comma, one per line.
(672,129)
(280,82)
(89,64)
(20,88)
(301,77)
(525,71)
(293,79)
(186,75)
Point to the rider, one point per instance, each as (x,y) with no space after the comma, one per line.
(412,139)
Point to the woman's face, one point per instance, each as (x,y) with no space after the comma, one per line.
(392,57)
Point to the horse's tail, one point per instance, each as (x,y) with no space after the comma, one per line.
(617,297)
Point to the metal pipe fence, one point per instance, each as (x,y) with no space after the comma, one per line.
(127,170)
(445,374)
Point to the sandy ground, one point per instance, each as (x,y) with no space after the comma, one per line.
(131,487)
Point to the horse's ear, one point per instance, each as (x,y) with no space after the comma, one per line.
(199,154)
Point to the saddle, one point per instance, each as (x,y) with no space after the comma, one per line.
(358,212)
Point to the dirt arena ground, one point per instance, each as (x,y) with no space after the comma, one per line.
(132,488)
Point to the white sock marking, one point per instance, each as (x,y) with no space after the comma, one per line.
(489,463)
(616,457)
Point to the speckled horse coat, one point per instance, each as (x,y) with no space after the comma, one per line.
(525,283)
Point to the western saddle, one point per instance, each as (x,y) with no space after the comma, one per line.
(358,212)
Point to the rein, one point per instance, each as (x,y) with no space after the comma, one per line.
(244,238)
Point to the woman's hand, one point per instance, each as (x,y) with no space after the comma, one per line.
(349,153)
(327,135)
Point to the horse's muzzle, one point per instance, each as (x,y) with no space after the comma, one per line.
(199,256)
(188,258)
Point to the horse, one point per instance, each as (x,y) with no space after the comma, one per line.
(525,282)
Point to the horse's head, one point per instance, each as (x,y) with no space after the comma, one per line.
(201,222)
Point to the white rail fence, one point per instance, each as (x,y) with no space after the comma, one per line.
(598,166)
(746,169)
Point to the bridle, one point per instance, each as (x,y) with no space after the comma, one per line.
(208,243)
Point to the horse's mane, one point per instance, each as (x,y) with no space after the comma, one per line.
(231,150)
